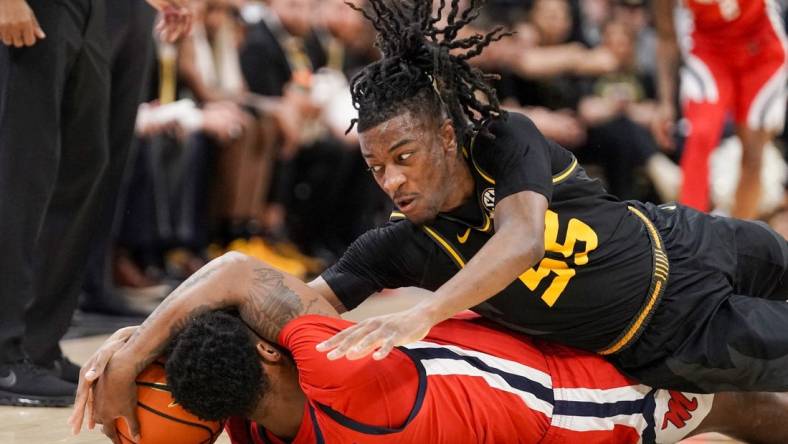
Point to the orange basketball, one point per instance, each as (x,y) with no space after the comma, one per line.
(161,420)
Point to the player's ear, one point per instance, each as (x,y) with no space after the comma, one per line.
(268,353)
(448,138)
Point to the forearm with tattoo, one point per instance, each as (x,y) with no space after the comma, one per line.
(271,304)
(266,299)
(202,292)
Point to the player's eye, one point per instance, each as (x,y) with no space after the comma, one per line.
(404,156)
(375,169)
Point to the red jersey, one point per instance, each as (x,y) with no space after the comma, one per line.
(464,383)
(728,18)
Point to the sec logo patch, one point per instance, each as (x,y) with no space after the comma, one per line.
(488,199)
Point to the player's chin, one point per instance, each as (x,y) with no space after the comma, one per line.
(420,216)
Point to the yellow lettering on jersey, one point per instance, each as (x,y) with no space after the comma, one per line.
(577,230)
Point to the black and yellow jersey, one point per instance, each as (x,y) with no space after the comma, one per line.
(595,287)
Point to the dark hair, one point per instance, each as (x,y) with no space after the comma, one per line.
(425,68)
(213,368)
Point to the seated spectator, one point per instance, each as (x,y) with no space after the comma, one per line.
(318,191)
(592,103)
(618,114)
(238,128)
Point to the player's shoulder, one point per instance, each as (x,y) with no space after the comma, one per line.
(394,235)
(513,125)
(514,139)
(311,328)
(510,136)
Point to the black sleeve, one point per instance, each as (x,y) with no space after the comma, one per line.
(386,257)
(519,158)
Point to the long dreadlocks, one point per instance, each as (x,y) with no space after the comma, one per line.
(425,67)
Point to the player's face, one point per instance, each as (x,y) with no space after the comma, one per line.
(409,159)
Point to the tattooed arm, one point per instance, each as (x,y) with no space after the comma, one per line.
(265,298)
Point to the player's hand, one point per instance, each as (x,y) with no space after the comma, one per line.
(90,372)
(379,335)
(115,396)
(175,20)
(662,125)
(18,24)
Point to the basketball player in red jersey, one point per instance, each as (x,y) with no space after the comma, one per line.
(464,383)
(734,60)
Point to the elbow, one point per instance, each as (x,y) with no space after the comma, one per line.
(234,260)
(233,257)
(532,252)
(528,249)
(235,264)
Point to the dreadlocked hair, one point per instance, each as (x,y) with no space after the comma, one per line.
(424,67)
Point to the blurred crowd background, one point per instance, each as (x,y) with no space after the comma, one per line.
(242,144)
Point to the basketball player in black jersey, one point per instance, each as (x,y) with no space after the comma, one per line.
(495,218)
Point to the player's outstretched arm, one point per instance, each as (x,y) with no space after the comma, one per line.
(518,243)
(266,299)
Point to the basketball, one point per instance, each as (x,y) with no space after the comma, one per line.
(161,420)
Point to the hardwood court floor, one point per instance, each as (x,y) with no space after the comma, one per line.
(48,425)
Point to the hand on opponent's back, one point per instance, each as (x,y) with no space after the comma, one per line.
(379,334)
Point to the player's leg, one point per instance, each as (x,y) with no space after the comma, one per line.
(741,346)
(760,112)
(748,192)
(755,417)
(706,86)
(74,208)
(760,260)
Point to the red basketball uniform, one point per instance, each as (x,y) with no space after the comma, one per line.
(469,383)
(734,61)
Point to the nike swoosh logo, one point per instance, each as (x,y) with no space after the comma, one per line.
(9,380)
(464,237)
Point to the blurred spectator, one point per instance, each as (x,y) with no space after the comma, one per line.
(593,101)
(230,128)
(618,113)
(636,15)
(316,197)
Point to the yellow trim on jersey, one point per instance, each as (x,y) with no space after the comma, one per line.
(636,325)
(452,252)
(651,228)
(397,215)
(658,282)
(563,175)
(487,223)
(482,172)
(476,166)
(558,178)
